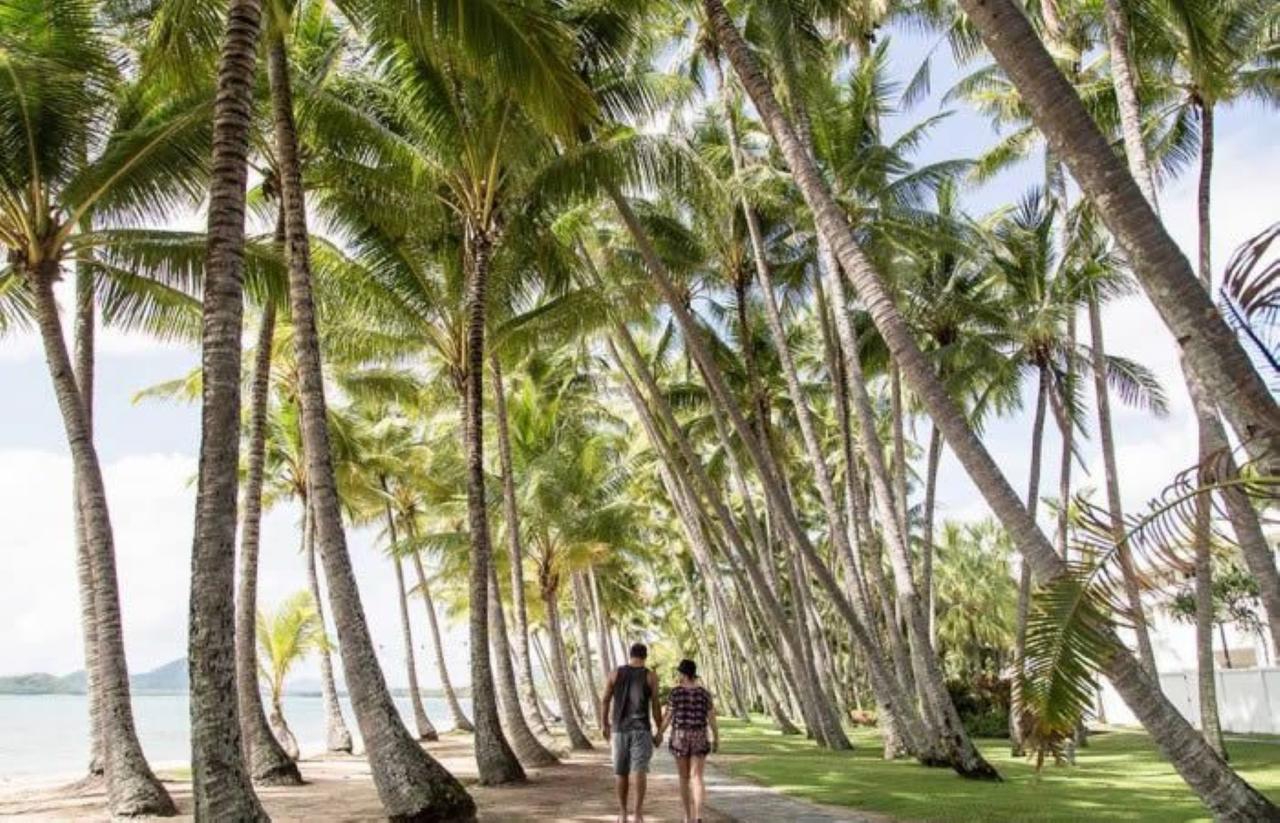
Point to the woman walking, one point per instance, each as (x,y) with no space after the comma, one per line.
(690,712)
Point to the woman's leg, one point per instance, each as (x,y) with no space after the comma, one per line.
(699,787)
(686,798)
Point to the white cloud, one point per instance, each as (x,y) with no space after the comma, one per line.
(152,506)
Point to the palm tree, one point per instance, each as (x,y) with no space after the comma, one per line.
(285,637)
(221,782)
(1168,278)
(975,597)
(411,782)
(1220,788)
(69,184)
(269,764)
(1209,56)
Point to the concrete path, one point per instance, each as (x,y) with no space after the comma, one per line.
(747,802)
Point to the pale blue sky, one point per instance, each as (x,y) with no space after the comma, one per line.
(148,451)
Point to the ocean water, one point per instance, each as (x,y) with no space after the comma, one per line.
(48,734)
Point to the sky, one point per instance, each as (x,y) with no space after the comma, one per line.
(148,450)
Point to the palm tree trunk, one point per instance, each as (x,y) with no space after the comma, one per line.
(337,738)
(527,746)
(1137,614)
(280,731)
(1223,791)
(1024,577)
(426,731)
(1067,428)
(459,718)
(220,782)
(269,763)
(607,661)
(84,371)
(1205,670)
(780,503)
(515,548)
(1212,350)
(788,639)
(581,613)
(132,789)
(898,414)
(498,764)
(560,673)
(1126,86)
(1215,446)
(929,550)
(410,782)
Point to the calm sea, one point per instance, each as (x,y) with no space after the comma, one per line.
(48,735)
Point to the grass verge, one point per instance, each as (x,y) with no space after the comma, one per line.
(1119,776)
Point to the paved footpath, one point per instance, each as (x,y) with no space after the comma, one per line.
(747,802)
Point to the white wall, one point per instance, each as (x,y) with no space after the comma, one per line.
(1248,699)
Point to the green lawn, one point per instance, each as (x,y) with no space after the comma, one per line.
(1118,777)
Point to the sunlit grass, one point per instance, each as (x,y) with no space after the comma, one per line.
(1119,776)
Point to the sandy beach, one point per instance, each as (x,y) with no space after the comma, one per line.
(341,789)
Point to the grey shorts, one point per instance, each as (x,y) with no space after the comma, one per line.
(632,751)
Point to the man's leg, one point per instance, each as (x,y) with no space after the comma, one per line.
(641,752)
(642,781)
(621,772)
(620,786)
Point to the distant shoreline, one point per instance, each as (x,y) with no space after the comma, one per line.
(8,691)
(169,679)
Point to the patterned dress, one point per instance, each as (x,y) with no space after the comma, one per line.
(690,707)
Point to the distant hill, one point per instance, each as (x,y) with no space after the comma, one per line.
(39,683)
(170,678)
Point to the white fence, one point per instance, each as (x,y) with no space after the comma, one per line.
(1248,699)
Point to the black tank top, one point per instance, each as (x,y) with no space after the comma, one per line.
(631,699)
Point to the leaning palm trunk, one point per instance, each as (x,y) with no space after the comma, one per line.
(497,762)
(1212,350)
(1133,594)
(933,461)
(1221,789)
(410,783)
(269,763)
(131,787)
(456,715)
(1024,576)
(515,549)
(702,554)
(220,782)
(426,731)
(337,737)
(526,745)
(581,612)
(789,642)
(1205,670)
(560,673)
(601,619)
(1126,86)
(84,370)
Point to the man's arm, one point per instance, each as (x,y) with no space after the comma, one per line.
(657,707)
(604,704)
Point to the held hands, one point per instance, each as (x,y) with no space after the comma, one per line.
(657,739)
(606,731)
(715,745)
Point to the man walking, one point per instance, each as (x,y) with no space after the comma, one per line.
(629,697)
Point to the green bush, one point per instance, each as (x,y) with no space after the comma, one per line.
(983,705)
